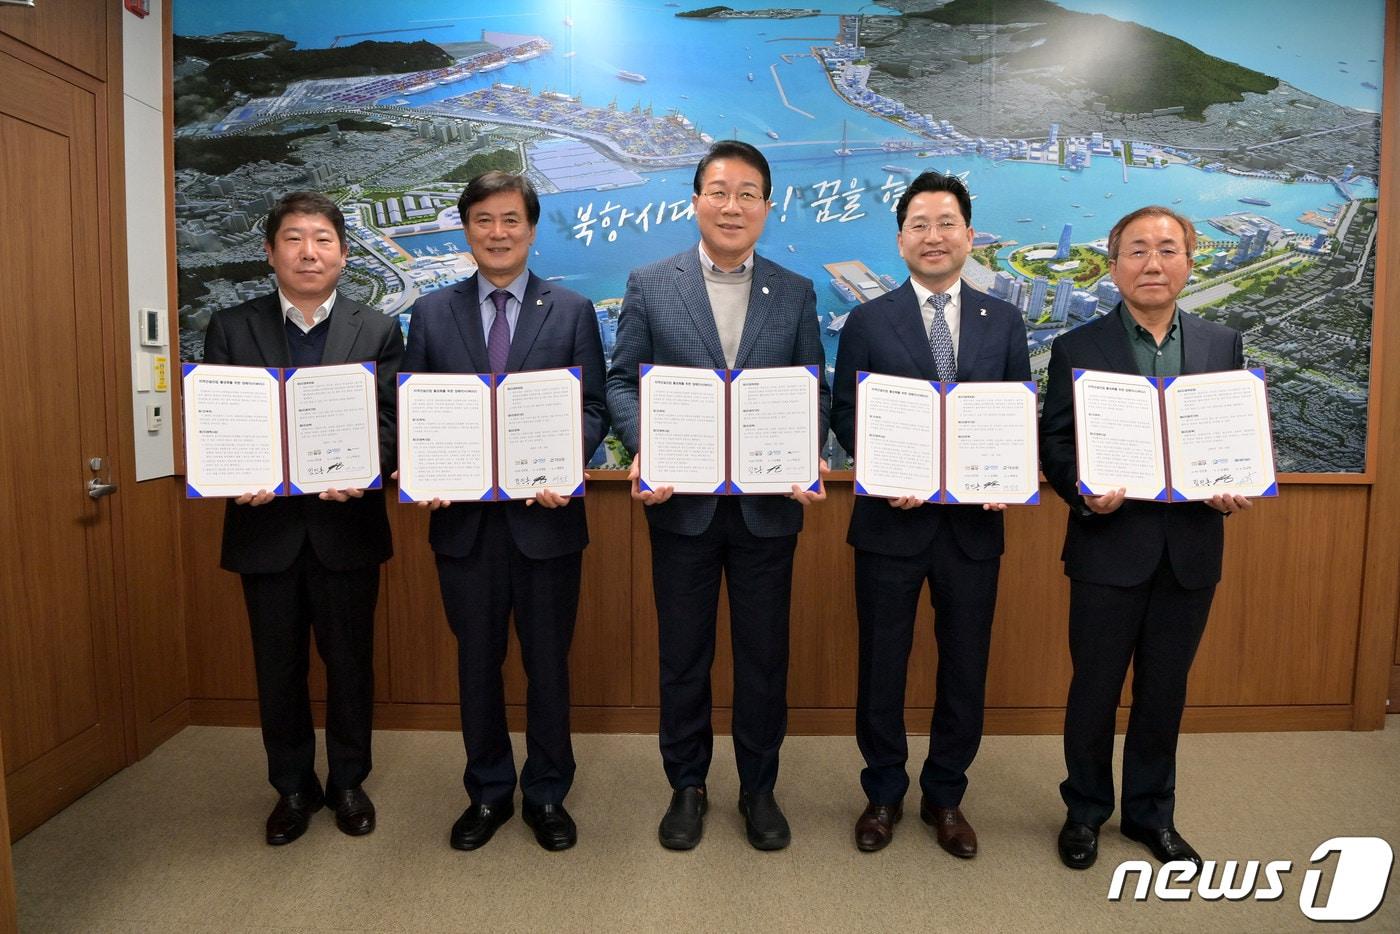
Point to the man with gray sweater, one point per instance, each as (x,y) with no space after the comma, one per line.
(721,306)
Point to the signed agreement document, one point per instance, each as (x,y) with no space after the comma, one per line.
(1219,435)
(293,431)
(485,437)
(445,447)
(1172,439)
(946,442)
(729,431)
(233,430)
(332,428)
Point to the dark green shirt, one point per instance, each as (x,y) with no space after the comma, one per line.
(1153,359)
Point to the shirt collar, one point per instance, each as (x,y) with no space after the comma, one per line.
(710,264)
(954,292)
(1139,332)
(293,313)
(516,287)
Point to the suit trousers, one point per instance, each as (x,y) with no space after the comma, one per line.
(963,592)
(686,576)
(1157,626)
(284,608)
(479,593)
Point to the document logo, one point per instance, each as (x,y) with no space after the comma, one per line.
(1358,880)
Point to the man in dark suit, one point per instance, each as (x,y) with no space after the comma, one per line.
(1142,574)
(522,556)
(934,326)
(311,564)
(720,305)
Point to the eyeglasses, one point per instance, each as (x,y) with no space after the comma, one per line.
(1166,255)
(747,200)
(919,228)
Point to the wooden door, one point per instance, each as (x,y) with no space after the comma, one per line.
(60,702)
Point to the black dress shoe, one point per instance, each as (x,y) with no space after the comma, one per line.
(479,822)
(953,831)
(1079,845)
(290,817)
(875,827)
(764,822)
(1164,842)
(685,819)
(354,811)
(554,828)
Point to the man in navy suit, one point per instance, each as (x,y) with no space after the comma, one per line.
(1141,574)
(521,556)
(311,563)
(720,305)
(934,326)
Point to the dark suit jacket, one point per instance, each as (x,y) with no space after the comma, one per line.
(556,328)
(345,536)
(667,320)
(887,336)
(1123,548)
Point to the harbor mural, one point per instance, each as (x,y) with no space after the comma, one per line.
(1259,120)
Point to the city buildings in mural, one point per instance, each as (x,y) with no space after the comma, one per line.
(1060,121)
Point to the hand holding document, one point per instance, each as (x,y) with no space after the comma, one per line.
(1198,437)
(728,431)
(923,441)
(466,436)
(252,433)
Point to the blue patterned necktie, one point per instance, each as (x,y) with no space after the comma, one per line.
(498,341)
(940,339)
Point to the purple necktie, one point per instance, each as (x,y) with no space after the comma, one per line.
(498,341)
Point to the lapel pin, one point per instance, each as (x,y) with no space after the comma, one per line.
(540,301)
(982,312)
(765,290)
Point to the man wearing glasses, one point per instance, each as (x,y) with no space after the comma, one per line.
(934,327)
(720,305)
(1142,574)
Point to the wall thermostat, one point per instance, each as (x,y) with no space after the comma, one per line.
(152,327)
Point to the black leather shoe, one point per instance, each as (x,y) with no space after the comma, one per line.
(764,822)
(1164,842)
(354,811)
(1079,845)
(951,828)
(554,828)
(479,822)
(875,827)
(684,822)
(290,817)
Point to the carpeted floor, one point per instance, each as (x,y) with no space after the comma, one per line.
(174,844)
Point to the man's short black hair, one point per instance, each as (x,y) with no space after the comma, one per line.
(303,202)
(735,149)
(493,183)
(935,181)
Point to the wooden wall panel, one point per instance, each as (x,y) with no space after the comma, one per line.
(601,662)
(1283,631)
(1379,638)
(72,32)
(422,659)
(216,625)
(1283,627)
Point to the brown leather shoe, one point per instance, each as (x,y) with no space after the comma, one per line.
(955,834)
(875,828)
